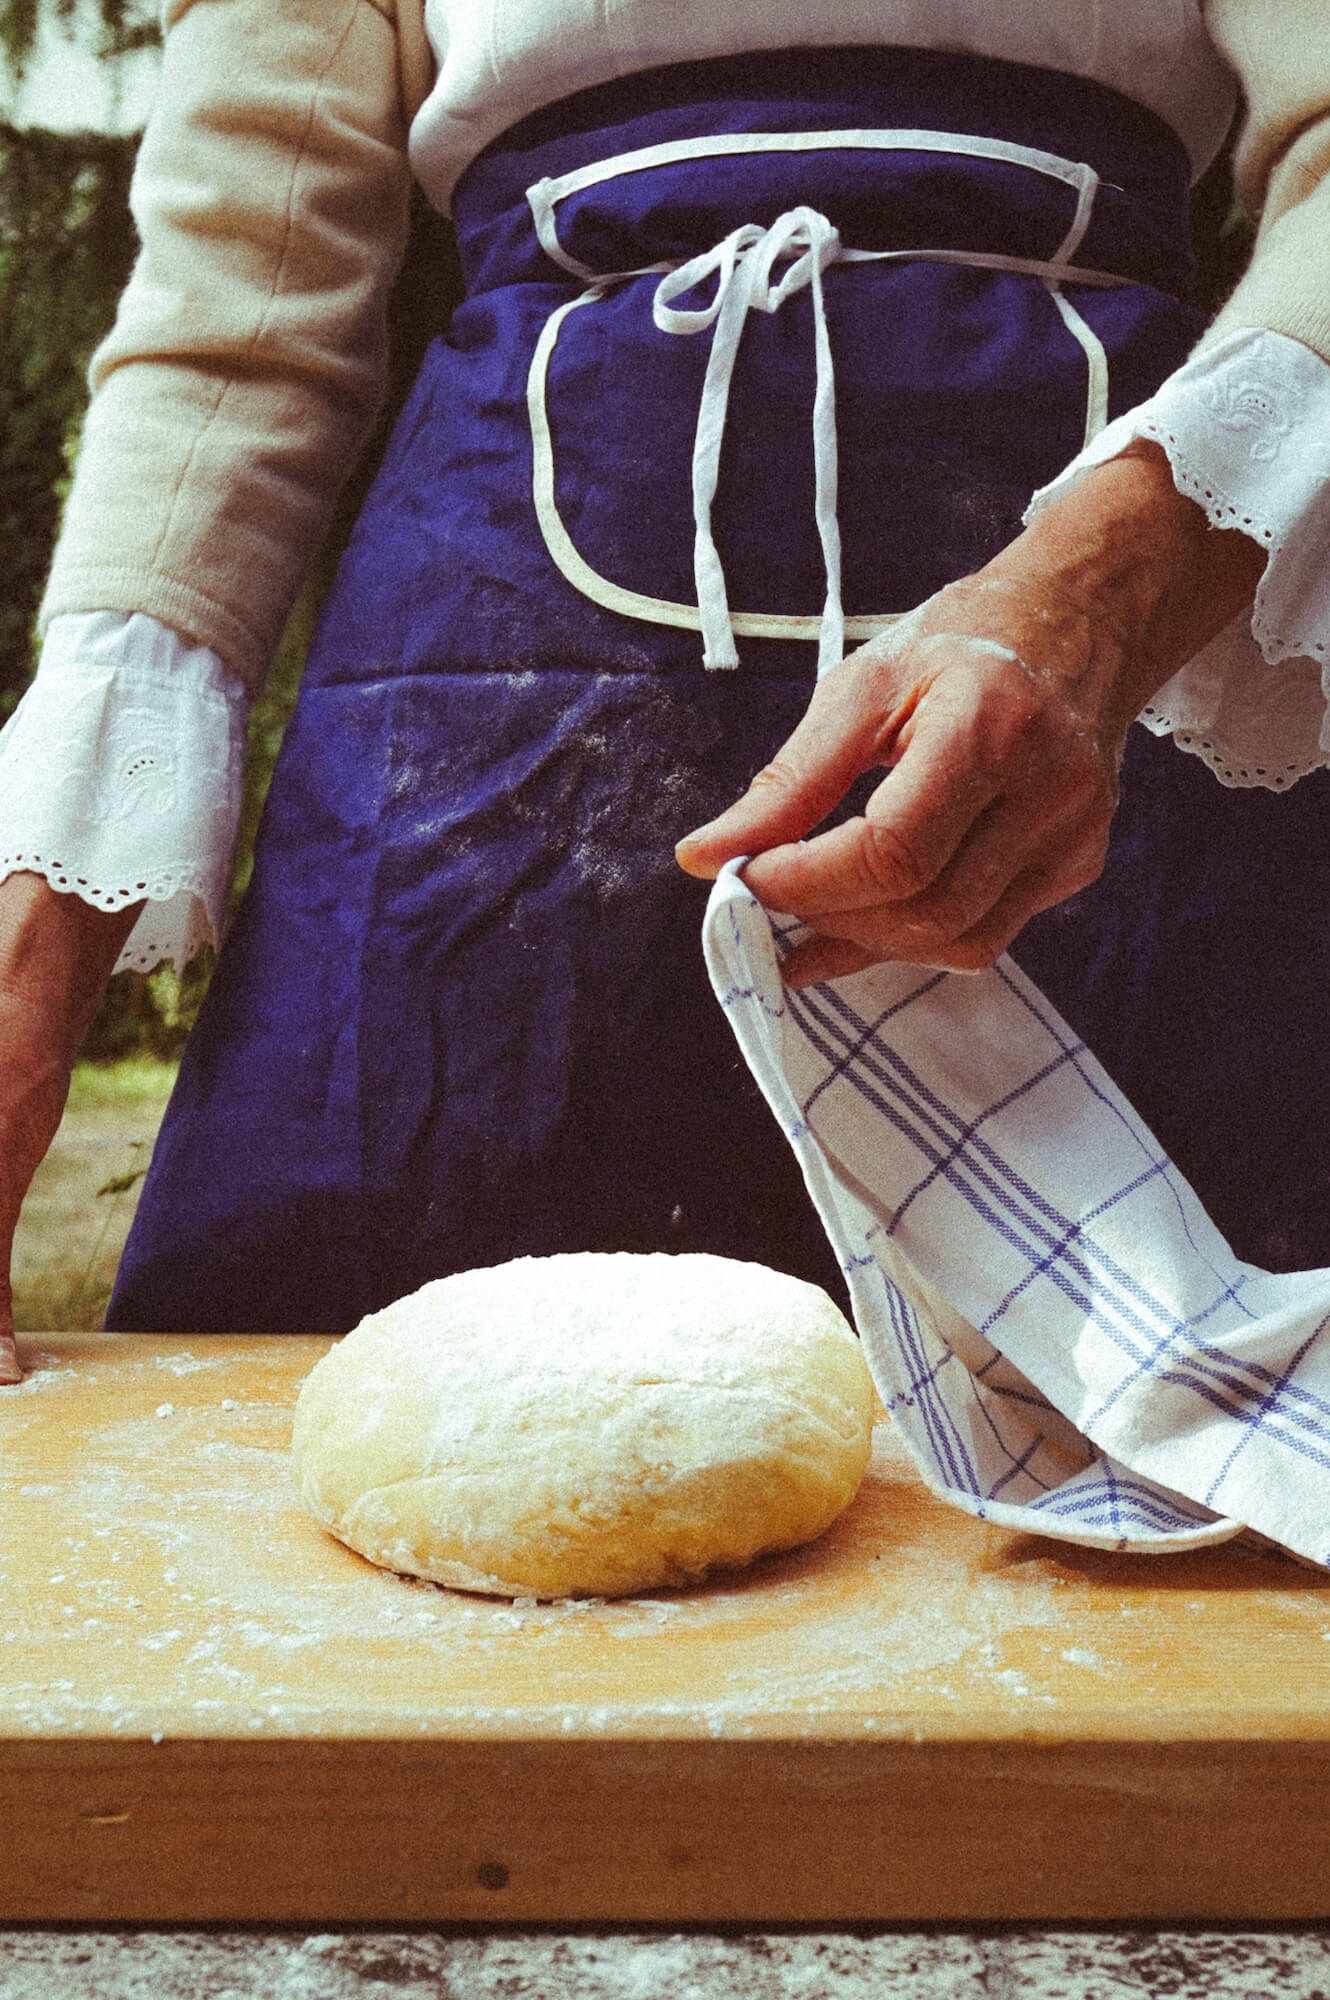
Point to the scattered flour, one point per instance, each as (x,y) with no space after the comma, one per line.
(208,1602)
(194,1597)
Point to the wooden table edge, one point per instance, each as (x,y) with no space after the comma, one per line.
(534,1830)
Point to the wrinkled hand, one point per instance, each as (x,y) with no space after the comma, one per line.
(56,953)
(1002,785)
(1000,709)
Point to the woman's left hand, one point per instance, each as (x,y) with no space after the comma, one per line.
(56,954)
(1001,708)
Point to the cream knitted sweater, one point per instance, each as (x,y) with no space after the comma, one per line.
(248,355)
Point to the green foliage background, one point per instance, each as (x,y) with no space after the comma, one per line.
(65,251)
(66,247)
(67,244)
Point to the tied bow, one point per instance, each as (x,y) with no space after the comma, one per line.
(743,264)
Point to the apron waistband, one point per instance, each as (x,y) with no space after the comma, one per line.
(823,116)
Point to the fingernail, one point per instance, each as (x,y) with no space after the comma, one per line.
(692,841)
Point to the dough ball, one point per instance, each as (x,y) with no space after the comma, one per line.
(587,1425)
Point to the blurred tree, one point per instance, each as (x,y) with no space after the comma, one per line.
(66,245)
(124,27)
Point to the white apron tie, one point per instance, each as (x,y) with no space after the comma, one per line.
(743,266)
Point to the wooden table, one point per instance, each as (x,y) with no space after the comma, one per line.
(212,1710)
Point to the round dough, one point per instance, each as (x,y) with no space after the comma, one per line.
(587,1425)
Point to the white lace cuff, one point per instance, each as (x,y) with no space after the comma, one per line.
(122,775)
(1246,426)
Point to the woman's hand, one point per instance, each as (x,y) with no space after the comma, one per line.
(1001,708)
(56,954)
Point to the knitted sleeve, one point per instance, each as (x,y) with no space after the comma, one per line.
(1281,52)
(248,355)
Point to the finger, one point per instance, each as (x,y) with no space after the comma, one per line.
(851,724)
(946,931)
(1014,840)
(980,947)
(1038,889)
(911,827)
(819,957)
(10,1367)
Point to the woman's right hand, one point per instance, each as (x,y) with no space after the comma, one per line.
(56,955)
(1001,707)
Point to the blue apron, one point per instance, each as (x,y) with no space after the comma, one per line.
(463,1015)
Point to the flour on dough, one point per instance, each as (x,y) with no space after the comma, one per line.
(587,1425)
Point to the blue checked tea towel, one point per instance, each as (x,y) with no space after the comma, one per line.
(1058,1332)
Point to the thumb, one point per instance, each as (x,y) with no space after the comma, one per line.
(841,735)
(10,1370)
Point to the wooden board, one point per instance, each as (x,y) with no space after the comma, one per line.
(213,1710)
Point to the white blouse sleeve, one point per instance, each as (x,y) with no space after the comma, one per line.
(1246,426)
(122,777)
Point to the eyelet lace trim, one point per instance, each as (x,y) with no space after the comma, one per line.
(121,779)
(176,924)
